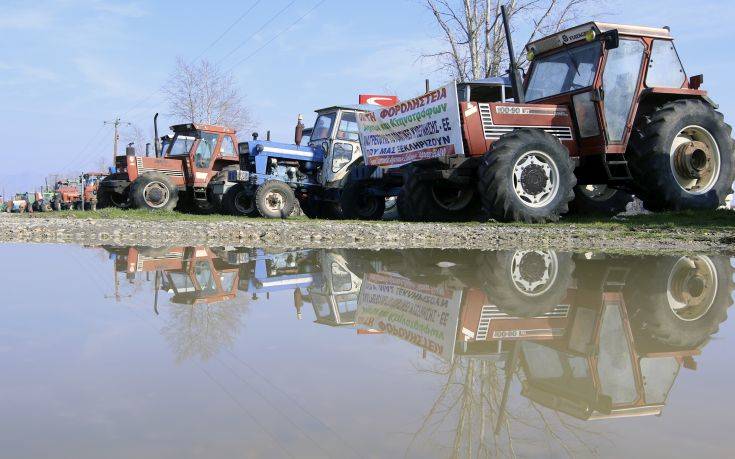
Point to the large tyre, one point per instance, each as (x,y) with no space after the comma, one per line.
(439,201)
(598,200)
(275,199)
(109,198)
(154,191)
(316,208)
(527,175)
(356,204)
(239,200)
(681,157)
(57,205)
(680,301)
(526,283)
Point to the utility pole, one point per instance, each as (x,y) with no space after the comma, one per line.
(116,123)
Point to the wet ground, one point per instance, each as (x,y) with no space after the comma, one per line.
(224,352)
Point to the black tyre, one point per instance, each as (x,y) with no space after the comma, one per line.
(108,198)
(439,201)
(680,301)
(154,191)
(316,208)
(598,200)
(275,199)
(239,200)
(527,175)
(681,157)
(57,205)
(526,283)
(356,204)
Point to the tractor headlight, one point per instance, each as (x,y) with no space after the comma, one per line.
(341,155)
(590,35)
(530,55)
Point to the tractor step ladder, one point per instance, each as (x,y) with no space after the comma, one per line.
(616,166)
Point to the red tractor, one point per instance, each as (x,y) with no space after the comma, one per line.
(605,110)
(68,195)
(183,172)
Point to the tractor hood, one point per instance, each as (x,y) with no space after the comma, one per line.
(282,150)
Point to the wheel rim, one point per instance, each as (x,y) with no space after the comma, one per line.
(156,194)
(244,203)
(275,201)
(692,287)
(534,271)
(452,197)
(597,192)
(695,160)
(535,179)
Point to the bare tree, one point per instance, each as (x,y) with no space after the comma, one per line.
(134,134)
(473,30)
(203,93)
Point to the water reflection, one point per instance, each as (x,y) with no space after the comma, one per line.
(520,348)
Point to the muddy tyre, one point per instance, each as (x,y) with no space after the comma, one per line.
(681,301)
(435,201)
(275,199)
(315,208)
(598,200)
(154,191)
(356,204)
(527,175)
(526,283)
(239,200)
(681,157)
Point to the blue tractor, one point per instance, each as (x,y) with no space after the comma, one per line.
(272,176)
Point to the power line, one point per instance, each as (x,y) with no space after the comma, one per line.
(281,32)
(273,18)
(242,16)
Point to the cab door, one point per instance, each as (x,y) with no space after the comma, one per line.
(344,148)
(621,85)
(202,158)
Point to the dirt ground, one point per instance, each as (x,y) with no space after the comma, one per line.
(352,234)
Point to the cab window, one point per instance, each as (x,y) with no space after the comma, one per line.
(620,82)
(323,126)
(228,146)
(348,127)
(205,150)
(664,67)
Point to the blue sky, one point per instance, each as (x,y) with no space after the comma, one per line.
(68,65)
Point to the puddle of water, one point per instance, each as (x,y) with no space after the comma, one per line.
(205,351)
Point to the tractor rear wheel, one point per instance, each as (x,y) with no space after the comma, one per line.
(357,204)
(680,301)
(275,199)
(239,200)
(316,208)
(681,157)
(598,200)
(154,191)
(423,200)
(527,175)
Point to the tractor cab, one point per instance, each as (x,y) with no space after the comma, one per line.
(335,131)
(201,147)
(202,278)
(601,73)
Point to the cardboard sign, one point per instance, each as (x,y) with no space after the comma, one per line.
(425,127)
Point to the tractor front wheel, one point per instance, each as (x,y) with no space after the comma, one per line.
(681,157)
(527,175)
(239,200)
(154,191)
(275,199)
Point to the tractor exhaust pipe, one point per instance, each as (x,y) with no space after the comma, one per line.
(299,132)
(157,141)
(515,73)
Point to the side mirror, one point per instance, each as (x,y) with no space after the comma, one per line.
(610,39)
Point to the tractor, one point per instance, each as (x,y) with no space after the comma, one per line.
(43,201)
(20,204)
(179,175)
(605,110)
(274,176)
(68,193)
